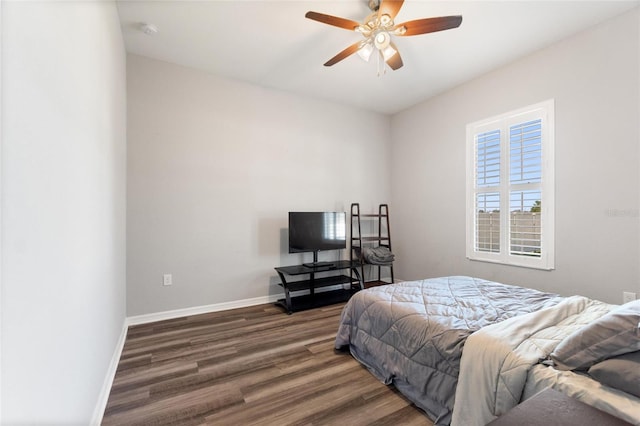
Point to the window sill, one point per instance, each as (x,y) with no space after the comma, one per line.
(518,263)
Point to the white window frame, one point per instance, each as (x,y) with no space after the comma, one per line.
(546,260)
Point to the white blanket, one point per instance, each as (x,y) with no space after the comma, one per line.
(496,359)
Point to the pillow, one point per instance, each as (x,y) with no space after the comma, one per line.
(615,333)
(621,372)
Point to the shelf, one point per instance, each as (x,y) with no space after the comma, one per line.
(318,282)
(315,299)
(371,238)
(301,269)
(307,301)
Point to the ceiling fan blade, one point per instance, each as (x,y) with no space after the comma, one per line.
(345,53)
(347,24)
(395,61)
(390,7)
(430,25)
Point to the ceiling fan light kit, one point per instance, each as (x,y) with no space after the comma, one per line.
(378,29)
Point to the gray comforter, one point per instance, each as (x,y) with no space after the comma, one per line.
(412,333)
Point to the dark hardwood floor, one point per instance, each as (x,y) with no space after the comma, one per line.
(247,366)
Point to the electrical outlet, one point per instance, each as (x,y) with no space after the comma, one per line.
(167,279)
(628,296)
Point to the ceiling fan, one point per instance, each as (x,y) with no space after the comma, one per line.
(378,28)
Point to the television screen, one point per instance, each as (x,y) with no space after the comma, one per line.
(314,231)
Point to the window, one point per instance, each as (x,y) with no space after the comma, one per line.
(510,199)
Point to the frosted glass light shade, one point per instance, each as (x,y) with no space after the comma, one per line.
(365,51)
(388,52)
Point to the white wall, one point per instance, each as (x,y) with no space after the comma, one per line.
(63,207)
(215,165)
(594,79)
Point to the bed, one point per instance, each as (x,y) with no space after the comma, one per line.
(412,335)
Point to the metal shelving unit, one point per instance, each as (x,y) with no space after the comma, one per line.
(371,238)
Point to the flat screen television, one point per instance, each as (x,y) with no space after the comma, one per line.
(316,231)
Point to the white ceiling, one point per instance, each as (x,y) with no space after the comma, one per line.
(271,44)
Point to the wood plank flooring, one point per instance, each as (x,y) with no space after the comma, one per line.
(249,366)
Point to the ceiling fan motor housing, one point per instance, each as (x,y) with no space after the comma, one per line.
(381,39)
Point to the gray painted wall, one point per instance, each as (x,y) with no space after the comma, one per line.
(594,78)
(63,207)
(214,167)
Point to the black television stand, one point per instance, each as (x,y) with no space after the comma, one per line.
(316,299)
(318,264)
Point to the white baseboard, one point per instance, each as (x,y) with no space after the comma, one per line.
(103,398)
(205,309)
(177,313)
(98,413)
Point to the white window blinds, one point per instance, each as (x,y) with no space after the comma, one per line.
(509,188)
(525,168)
(488,158)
